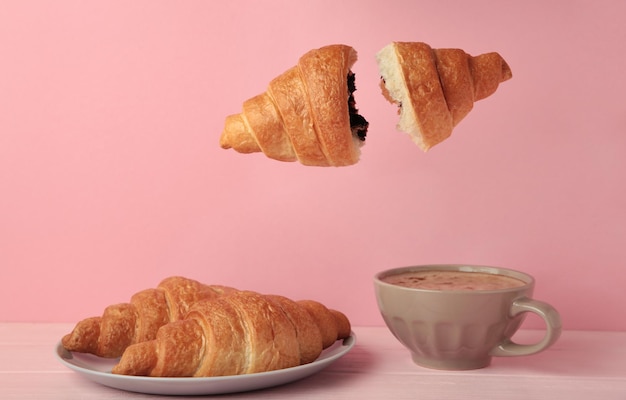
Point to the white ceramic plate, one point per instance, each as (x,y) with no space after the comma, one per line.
(99,370)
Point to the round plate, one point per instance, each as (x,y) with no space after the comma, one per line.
(99,370)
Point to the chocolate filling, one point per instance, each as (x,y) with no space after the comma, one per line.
(358,124)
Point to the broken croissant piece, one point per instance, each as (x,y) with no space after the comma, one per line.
(307,114)
(239,333)
(126,323)
(436,88)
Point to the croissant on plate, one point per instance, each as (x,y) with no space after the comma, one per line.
(436,88)
(239,333)
(139,320)
(307,114)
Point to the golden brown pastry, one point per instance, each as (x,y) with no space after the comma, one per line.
(126,323)
(436,88)
(239,333)
(308,113)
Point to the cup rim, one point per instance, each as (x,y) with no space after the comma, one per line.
(525,277)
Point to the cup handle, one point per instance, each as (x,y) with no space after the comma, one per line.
(553,329)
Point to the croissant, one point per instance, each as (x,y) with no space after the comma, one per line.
(238,333)
(307,114)
(126,323)
(436,88)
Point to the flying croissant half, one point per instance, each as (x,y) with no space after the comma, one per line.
(308,113)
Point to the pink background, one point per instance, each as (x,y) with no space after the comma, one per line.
(112,178)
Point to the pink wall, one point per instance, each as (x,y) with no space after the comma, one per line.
(112,178)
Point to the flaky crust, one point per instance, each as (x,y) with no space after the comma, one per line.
(303,116)
(289,93)
(139,320)
(307,331)
(324,73)
(456,83)
(419,68)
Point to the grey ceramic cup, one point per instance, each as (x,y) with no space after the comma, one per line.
(462,329)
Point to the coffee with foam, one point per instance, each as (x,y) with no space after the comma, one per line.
(452,280)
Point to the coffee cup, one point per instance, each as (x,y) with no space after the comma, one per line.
(457,317)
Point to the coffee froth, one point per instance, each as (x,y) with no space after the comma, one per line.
(452,280)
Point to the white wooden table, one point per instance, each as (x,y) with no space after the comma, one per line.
(581,365)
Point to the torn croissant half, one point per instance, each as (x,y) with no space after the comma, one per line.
(436,88)
(307,114)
